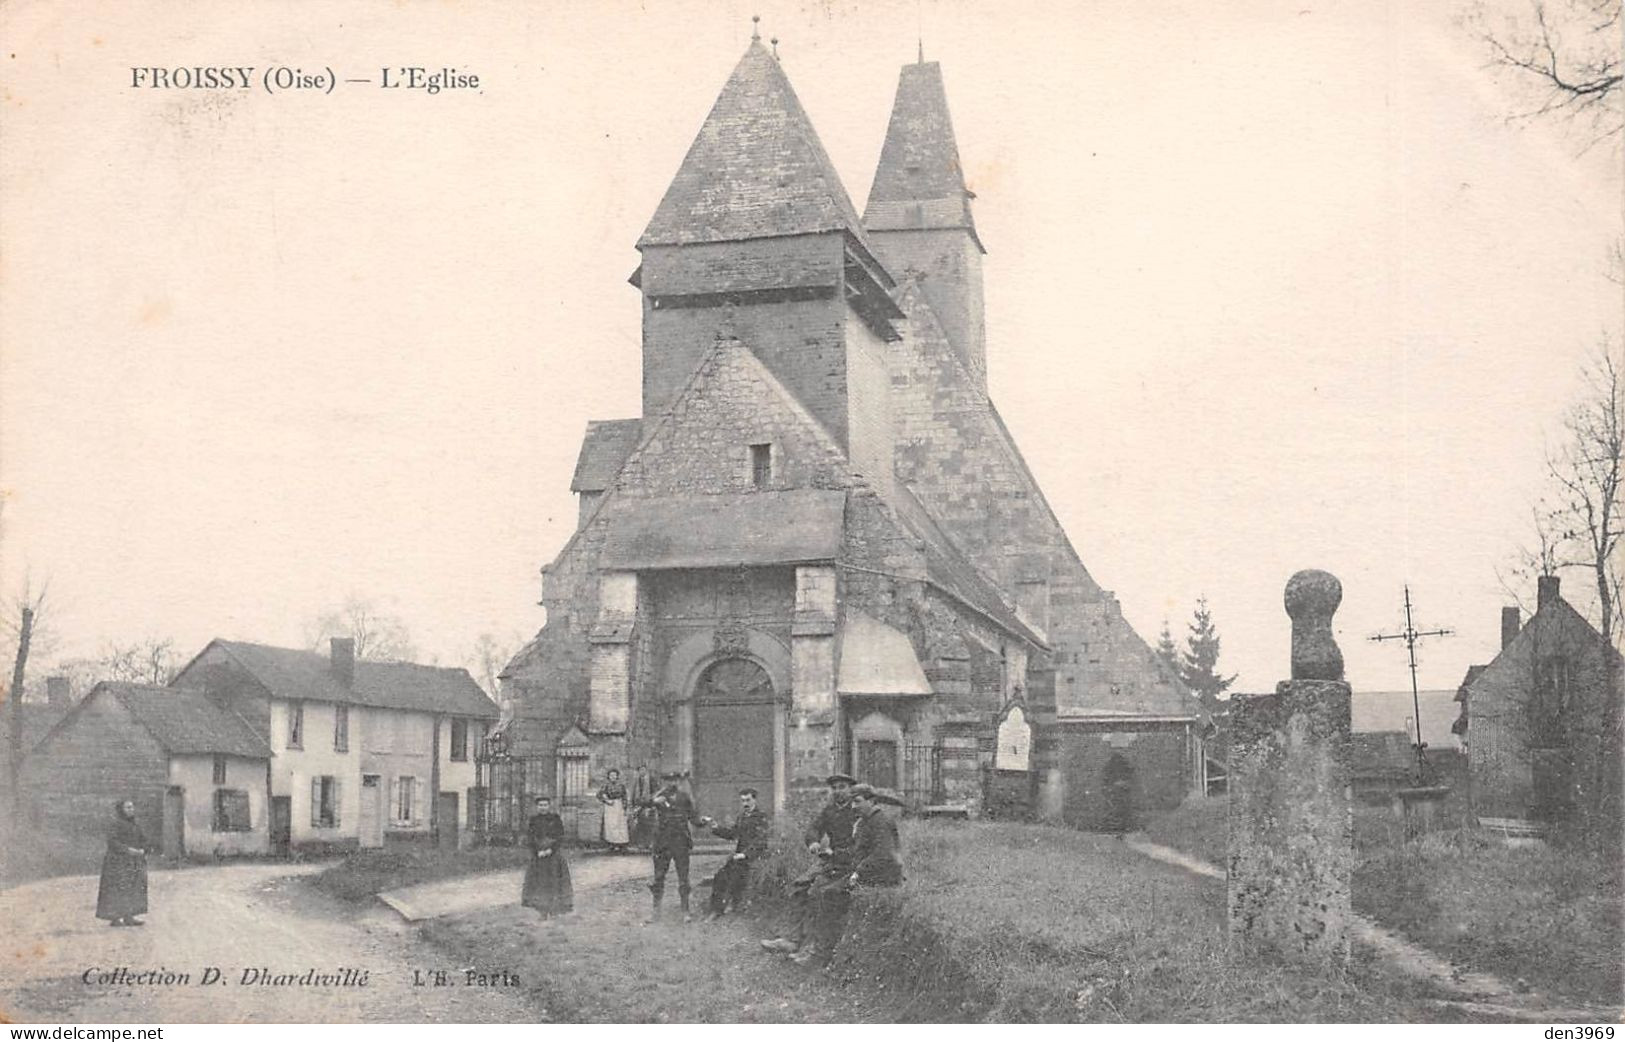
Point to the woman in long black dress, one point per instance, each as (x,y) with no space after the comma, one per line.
(123,892)
(547,880)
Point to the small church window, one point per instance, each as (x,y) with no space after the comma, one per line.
(761,465)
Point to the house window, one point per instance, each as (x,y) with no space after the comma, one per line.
(459,739)
(220,770)
(296,725)
(231,810)
(324,802)
(573,776)
(761,465)
(341,729)
(406,800)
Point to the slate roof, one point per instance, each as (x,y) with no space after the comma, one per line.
(603,450)
(1380,711)
(919,182)
(952,572)
(185,721)
(751,528)
(755,169)
(293,674)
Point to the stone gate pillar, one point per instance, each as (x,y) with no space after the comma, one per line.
(1291,849)
(813,738)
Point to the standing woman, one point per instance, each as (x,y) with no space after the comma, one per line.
(613,830)
(547,880)
(123,892)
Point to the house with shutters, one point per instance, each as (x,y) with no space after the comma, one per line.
(819,547)
(1541,720)
(360,752)
(195,769)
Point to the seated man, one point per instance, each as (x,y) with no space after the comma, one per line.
(877,861)
(829,838)
(750,833)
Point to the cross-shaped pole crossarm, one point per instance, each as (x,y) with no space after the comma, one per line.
(1410,635)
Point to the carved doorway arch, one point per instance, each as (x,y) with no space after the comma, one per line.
(735,717)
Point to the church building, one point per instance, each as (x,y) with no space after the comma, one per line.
(819,548)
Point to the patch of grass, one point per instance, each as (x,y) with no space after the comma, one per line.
(1548,915)
(602,964)
(1198,827)
(1021,923)
(367,873)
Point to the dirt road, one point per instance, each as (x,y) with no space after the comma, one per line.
(238,919)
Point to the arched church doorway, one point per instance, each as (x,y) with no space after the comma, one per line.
(734,713)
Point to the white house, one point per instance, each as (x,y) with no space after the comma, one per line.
(361,751)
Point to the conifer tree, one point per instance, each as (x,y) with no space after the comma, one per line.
(1198,663)
(1167,654)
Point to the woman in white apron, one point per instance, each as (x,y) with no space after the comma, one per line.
(614,830)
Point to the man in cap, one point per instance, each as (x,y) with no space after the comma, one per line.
(750,832)
(876,861)
(674,813)
(829,838)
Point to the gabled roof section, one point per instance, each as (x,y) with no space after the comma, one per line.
(950,571)
(919,182)
(185,721)
(755,169)
(603,450)
(293,674)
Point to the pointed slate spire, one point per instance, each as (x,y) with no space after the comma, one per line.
(756,168)
(919,182)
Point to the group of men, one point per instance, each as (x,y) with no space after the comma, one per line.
(854,840)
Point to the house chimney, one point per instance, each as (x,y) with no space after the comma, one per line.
(1545,591)
(344,660)
(1511,623)
(58,692)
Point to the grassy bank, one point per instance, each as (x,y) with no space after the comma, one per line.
(1023,923)
(1000,923)
(1546,915)
(366,873)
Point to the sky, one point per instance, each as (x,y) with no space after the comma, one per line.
(1270,286)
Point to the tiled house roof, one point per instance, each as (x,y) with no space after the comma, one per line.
(755,169)
(603,450)
(293,674)
(1377,711)
(185,721)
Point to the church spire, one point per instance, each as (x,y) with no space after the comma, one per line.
(919,215)
(919,182)
(756,169)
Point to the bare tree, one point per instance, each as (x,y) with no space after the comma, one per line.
(1577,527)
(24,620)
(1565,53)
(488,656)
(377,635)
(151,661)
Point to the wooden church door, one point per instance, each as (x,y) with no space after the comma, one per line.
(733,736)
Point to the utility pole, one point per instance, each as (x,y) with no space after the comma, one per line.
(1410,635)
